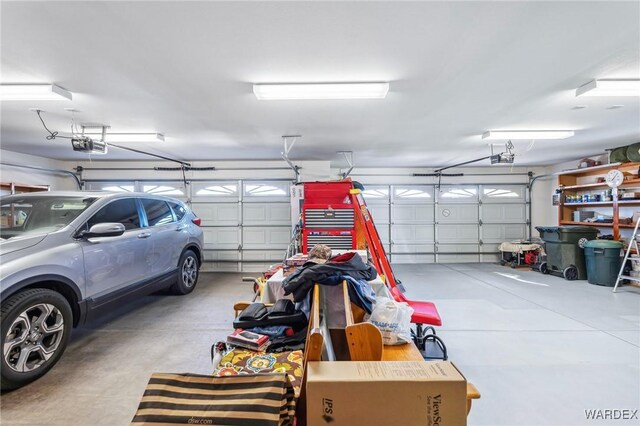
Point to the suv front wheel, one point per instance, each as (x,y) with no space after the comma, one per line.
(36,325)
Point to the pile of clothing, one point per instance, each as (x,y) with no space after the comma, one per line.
(326,270)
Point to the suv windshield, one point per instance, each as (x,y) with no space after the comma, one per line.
(20,216)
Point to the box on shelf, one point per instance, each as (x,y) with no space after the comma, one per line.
(385,393)
(630,195)
(582,215)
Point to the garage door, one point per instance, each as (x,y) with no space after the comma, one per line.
(453,223)
(377,199)
(218,205)
(266,224)
(412,224)
(457,224)
(503,217)
(247,223)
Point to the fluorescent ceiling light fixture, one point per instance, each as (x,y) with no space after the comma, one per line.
(285,91)
(610,88)
(127,137)
(527,134)
(33,92)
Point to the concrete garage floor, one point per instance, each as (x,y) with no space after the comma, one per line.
(540,349)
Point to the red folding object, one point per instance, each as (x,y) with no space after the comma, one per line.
(423,312)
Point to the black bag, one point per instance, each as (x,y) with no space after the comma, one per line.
(281,313)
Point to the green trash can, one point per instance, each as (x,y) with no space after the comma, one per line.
(603,261)
(564,248)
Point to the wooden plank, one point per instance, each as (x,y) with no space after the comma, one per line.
(628,182)
(598,170)
(406,352)
(597,225)
(364,339)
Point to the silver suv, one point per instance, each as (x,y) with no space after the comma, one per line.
(67,257)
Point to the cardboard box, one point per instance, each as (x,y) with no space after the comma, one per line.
(385,393)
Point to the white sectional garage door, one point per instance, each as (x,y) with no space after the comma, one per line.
(266,224)
(453,223)
(247,224)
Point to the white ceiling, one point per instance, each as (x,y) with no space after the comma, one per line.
(456,69)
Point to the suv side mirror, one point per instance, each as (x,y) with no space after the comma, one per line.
(104,230)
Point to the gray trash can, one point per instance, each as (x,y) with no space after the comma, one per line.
(564,248)
(603,261)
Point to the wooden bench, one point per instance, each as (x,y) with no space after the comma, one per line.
(364,341)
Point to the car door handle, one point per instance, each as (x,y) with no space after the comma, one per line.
(181,228)
(144,235)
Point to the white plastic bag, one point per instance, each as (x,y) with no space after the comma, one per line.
(393,319)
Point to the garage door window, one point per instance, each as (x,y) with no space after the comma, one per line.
(111,187)
(265,190)
(229,190)
(459,193)
(162,190)
(158,212)
(504,194)
(376,193)
(413,193)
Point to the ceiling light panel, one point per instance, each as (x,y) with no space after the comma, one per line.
(290,91)
(610,88)
(527,134)
(128,137)
(33,92)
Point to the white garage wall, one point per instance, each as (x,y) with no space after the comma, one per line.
(34,177)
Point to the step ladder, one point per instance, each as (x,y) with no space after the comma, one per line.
(376,249)
(633,244)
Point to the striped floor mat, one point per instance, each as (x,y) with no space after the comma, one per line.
(259,399)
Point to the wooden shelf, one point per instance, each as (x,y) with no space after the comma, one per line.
(591,203)
(629,182)
(596,224)
(587,170)
(15,188)
(599,225)
(603,203)
(568,181)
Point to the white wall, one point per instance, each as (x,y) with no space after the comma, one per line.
(552,210)
(57,181)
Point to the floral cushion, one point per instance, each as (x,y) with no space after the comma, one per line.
(243,361)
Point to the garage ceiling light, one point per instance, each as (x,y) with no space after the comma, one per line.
(288,91)
(527,134)
(33,92)
(610,88)
(128,137)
